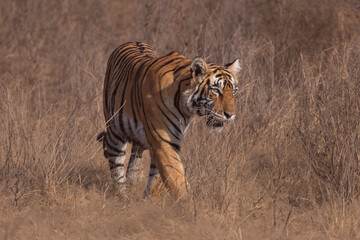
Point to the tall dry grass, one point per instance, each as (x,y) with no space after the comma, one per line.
(288,167)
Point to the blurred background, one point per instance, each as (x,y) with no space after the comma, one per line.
(286,168)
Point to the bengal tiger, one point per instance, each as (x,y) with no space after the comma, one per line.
(149,101)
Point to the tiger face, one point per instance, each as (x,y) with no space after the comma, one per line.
(214,92)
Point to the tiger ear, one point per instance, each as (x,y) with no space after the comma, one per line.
(198,68)
(234,66)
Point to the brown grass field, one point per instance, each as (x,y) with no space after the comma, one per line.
(288,167)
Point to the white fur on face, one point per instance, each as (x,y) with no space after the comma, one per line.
(217,82)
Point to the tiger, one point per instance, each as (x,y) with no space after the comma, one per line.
(149,101)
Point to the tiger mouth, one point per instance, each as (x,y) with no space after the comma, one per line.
(214,122)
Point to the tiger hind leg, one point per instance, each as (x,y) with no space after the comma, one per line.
(115,153)
(134,172)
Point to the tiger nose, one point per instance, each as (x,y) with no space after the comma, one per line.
(229,115)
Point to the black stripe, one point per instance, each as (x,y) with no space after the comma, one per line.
(118,137)
(228,75)
(167,165)
(177,98)
(207,84)
(170,131)
(130,128)
(163,102)
(175,146)
(202,91)
(114,149)
(200,87)
(132,99)
(133,111)
(111,155)
(172,123)
(111,140)
(172,52)
(168,62)
(196,91)
(112,166)
(106,80)
(180,68)
(118,178)
(175,157)
(153,174)
(100,137)
(163,74)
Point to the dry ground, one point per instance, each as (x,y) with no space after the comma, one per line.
(287,168)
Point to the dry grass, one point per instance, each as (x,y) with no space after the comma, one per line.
(287,168)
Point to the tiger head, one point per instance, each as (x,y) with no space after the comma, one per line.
(214,91)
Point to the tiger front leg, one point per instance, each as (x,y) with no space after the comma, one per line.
(155,186)
(170,172)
